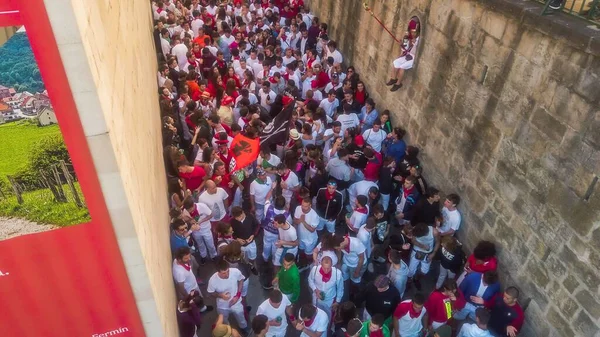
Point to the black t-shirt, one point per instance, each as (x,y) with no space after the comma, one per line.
(381,302)
(425,212)
(361,162)
(243,230)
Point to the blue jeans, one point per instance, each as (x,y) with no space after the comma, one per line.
(329,225)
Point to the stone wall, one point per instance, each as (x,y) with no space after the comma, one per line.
(521,147)
(108,54)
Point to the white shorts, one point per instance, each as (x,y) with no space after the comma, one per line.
(279,254)
(348,273)
(250,251)
(402,63)
(308,247)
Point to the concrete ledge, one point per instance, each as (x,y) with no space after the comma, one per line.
(575,31)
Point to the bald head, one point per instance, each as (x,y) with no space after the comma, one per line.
(210,186)
(326,264)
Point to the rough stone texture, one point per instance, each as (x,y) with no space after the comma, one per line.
(521,148)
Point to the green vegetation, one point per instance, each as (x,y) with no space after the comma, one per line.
(39,206)
(18,139)
(18,66)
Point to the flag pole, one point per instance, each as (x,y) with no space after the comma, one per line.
(369,10)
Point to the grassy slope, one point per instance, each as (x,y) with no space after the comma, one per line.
(39,206)
(16,140)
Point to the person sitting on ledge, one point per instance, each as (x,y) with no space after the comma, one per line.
(407,59)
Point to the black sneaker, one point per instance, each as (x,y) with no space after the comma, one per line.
(207,308)
(202,261)
(254,270)
(396,87)
(555,4)
(391,81)
(267,286)
(248,308)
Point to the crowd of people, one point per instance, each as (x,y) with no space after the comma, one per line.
(335,198)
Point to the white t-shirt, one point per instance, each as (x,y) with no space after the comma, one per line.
(180,51)
(365,237)
(273,314)
(229,285)
(328,142)
(288,234)
(215,203)
(359,188)
(374,138)
(271,163)
(319,324)
(337,56)
(260,191)
(187,277)
(356,249)
(203,212)
(263,98)
(312,219)
(358,219)
(322,253)
(329,107)
(451,220)
(348,121)
(291,182)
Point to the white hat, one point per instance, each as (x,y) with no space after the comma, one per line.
(294,134)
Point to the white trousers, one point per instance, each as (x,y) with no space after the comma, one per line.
(237,310)
(205,241)
(269,248)
(442,277)
(324,305)
(414,264)
(250,251)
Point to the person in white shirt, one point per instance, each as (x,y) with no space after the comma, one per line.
(266,95)
(185,280)
(312,321)
(289,183)
(203,236)
(480,328)
(165,45)
(359,214)
(307,222)
(348,119)
(268,162)
(367,188)
(216,199)
(327,285)
(451,215)
(288,57)
(277,308)
(261,190)
(330,134)
(333,52)
(180,52)
(185,28)
(375,136)
(226,286)
(353,257)
(287,241)
(334,84)
(196,24)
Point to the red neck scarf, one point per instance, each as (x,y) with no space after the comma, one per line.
(326,276)
(329,196)
(159,10)
(406,192)
(412,312)
(192,62)
(362,210)
(348,246)
(285,175)
(185,265)
(309,322)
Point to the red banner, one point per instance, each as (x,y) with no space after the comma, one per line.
(244,151)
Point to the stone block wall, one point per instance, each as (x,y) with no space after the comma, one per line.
(504,104)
